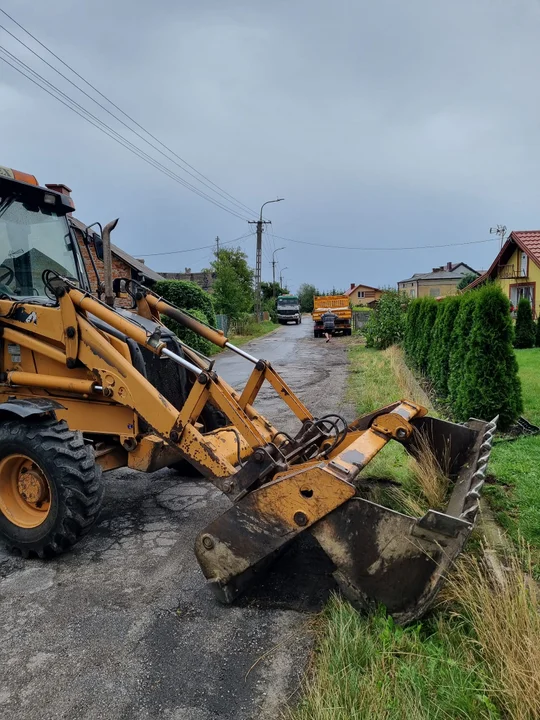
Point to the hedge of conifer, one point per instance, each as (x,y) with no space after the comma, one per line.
(463,345)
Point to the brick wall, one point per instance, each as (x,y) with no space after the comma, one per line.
(120,270)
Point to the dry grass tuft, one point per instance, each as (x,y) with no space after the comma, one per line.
(431,478)
(408,384)
(499,603)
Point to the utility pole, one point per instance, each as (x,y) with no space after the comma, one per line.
(258,260)
(273,263)
(217,246)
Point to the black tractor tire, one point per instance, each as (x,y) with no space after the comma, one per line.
(75,486)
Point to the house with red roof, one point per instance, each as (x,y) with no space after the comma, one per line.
(517,268)
(363,294)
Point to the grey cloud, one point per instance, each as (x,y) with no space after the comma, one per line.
(381,123)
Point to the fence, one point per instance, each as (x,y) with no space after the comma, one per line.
(222,323)
(360,318)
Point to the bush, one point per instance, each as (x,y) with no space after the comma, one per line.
(411,330)
(426,321)
(538,332)
(386,324)
(189,297)
(441,345)
(188,336)
(490,384)
(185,295)
(459,345)
(525,331)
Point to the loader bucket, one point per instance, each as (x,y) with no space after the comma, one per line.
(380,556)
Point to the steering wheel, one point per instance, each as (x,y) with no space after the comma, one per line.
(6,274)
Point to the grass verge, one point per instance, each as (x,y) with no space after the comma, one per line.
(369,668)
(256,330)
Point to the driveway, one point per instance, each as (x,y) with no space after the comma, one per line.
(124,626)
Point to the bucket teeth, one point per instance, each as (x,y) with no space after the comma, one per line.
(478,478)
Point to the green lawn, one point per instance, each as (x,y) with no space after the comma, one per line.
(515,494)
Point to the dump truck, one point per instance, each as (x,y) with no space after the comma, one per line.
(337,304)
(86,387)
(288,309)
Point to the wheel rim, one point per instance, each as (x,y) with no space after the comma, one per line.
(25,492)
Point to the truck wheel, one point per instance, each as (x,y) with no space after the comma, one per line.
(51,489)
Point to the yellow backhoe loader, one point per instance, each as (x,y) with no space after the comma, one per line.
(86,387)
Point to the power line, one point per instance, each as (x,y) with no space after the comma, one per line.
(107,130)
(201,247)
(221,192)
(188,185)
(349,247)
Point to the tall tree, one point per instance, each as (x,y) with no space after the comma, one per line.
(306,293)
(233,287)
(466,280)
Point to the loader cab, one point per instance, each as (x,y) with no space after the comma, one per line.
(35,236)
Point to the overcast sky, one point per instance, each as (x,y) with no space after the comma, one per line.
(382,124)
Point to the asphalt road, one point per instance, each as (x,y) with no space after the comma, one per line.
(124,627)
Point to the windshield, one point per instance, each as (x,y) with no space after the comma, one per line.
(287,302)
(32,240)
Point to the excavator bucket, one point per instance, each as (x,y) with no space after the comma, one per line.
(380,556)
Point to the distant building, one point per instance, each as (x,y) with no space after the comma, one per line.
(204,279)
(363,294)
(440,282)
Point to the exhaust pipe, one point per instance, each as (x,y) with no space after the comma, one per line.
(107,262)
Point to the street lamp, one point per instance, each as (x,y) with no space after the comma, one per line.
(274,270)
(258,261)
(281,277)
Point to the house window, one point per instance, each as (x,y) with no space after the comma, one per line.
(361,294)
(411,293)
(434,292)
(517,292)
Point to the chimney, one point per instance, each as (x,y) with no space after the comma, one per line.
(59,188)
(353,285)
(141,260)
(449,266)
